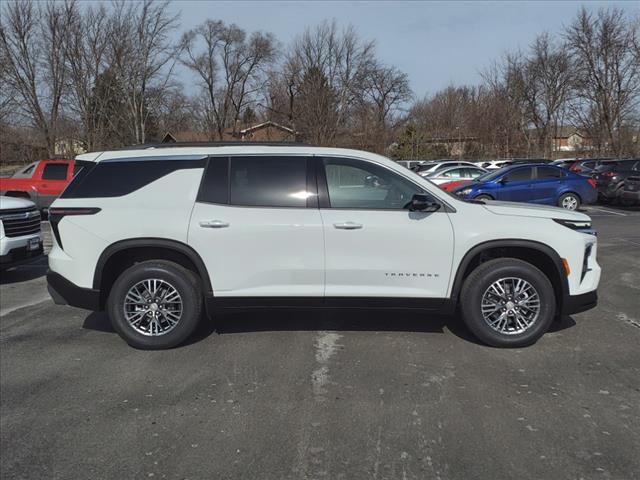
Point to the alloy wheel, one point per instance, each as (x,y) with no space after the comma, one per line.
(510,306)
(153,307)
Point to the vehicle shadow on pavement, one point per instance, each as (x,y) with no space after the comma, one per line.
(396,320)
(23,273)
(274,320)
(98,321)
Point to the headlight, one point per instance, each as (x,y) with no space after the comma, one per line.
(465,191)
(582,226)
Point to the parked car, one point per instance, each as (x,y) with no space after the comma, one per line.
(20,235)
(448,174)
(587,166)
(453,185)
(505,162)
(544,184)
(564,163)
(255,226)
(410,164)
(631,191)
(610,177)
(493,164)
(433,167)
(41,182)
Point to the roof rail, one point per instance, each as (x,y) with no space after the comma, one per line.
(213,144)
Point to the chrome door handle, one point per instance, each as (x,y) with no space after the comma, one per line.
(214,224)
(348,226)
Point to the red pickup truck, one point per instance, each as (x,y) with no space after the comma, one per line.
(41,182)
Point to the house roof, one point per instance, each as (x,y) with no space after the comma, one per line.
(185,136)
(266,124)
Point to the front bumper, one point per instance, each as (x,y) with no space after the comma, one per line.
(579,303)
(65,292)
(19,255)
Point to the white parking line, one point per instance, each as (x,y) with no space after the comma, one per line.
(34,301)
(607,211)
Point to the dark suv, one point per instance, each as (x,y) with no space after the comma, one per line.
(610,177)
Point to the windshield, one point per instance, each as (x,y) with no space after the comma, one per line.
(487,177)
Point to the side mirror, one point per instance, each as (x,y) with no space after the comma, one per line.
(503,181)
(423,203)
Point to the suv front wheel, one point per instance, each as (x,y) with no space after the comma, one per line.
(507,303)
(155,304)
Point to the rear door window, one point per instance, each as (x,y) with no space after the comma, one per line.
(55,171)
(263,181)
(546,173)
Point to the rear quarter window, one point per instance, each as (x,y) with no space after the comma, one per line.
(116,179)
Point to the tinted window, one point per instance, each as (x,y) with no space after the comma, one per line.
(519,175)
(269,181)
(114,179)
(215,182)
(547,172)
(55,171)
(359,184)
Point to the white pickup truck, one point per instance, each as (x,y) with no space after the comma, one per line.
(20,232)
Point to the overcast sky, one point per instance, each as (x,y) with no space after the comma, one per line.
(436,43)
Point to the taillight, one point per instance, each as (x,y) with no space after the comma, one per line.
(592,182)
(56,214)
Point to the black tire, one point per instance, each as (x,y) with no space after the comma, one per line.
(182,280)
(479,281)
(570,195)
(483,197)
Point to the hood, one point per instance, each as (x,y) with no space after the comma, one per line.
(8,203)
(532,210)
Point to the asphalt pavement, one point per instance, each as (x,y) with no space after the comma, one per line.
(325,394)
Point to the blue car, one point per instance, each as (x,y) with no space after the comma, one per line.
(544,184)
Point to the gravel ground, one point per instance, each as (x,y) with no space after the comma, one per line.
(331,394)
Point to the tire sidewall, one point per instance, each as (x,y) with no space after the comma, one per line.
(181,279)
(562,197)
(471,305)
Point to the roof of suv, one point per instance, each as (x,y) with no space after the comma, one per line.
(191,151)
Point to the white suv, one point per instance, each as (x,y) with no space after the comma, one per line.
(154,235)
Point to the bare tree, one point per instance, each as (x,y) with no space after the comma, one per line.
(86,50)
(547,79)
(143,57)
(387,90)
(231,68)
(340,60)
(32,40)
(605,59)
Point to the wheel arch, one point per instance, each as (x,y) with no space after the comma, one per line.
(538,254)
(119,256)
(572,191)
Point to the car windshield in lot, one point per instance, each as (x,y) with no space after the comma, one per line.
(489,176)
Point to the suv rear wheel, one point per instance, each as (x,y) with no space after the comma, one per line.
(155,304)
(507,303)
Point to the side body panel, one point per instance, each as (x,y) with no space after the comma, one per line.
(161,209)
(260,251)
(394,253)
